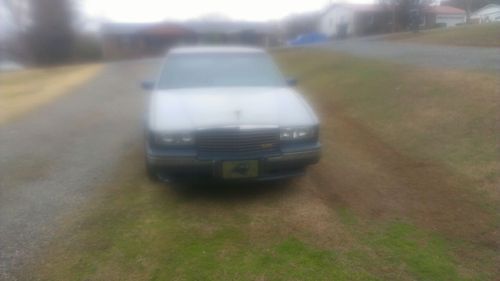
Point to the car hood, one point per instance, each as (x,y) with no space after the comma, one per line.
(190,109)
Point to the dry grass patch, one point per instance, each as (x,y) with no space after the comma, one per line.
(25,90)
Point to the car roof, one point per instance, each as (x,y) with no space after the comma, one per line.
(214,49)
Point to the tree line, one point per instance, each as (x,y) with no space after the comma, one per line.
(44,31)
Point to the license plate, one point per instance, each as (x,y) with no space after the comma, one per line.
(240,169)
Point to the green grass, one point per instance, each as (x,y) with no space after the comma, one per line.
(446,116)
(161,243)
(141,235)
(145,231)
(482,35)
(425,256)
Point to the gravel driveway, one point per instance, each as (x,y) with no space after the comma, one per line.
(53,159)
(421,54)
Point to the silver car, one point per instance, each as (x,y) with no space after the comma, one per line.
(227,113)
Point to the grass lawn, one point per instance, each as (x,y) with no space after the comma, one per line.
(481,35)
(22,91)
(407,190)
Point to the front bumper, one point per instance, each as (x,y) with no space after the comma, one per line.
(290,162)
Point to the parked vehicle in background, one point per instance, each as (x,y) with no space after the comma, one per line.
(227,112)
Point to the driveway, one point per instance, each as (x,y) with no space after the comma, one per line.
(421,54)
(53,159)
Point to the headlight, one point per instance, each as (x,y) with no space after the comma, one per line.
(297,133)
(175,139)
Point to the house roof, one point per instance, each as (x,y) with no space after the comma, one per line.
(486,7)
(214,49)
(227,27)
(124,28)
(178,28)
(165,29)
(161,28)
(445,10)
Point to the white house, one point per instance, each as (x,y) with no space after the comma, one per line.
(488,13)
(330,21)
(444,15)
(356,19)
(363,19)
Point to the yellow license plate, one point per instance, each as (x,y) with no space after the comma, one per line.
(240,169)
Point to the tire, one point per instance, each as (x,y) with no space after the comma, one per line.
(152,172)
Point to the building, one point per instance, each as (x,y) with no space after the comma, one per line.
(443,16)
(234,32)
(129,40)
(488,13)
(354,19)
(122,40)
(364,19)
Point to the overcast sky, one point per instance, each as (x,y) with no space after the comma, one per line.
(158,10)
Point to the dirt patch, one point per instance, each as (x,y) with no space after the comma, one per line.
(377,181)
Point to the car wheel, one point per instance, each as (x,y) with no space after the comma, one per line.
(152,172)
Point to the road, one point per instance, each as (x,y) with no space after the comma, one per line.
(421,54)
(53,160)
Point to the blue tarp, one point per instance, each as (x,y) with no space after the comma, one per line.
(309,38)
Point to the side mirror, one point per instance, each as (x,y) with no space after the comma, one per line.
(291,82)
(147,85)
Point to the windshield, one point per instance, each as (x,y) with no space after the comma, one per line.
(219,70)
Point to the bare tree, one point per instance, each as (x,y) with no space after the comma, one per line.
(51,34)
(14,21)
(297,24)
(403,11)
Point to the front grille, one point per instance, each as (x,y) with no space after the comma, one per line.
(237,142)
